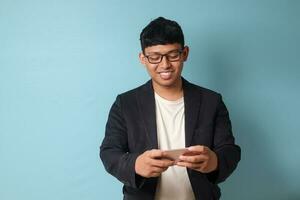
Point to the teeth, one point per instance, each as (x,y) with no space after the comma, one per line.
(165,75)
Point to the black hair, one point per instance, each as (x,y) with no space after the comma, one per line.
(161,31)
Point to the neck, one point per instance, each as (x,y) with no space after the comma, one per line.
(170,93)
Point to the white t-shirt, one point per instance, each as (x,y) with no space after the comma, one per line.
(174,182)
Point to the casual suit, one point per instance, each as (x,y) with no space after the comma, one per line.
(131,130)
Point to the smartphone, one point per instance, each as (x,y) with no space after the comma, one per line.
(175,153)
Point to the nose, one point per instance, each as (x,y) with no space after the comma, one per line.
(165,63)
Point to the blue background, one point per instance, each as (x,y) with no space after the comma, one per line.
(62,63)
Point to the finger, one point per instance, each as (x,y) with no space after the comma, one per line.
(155,153)
(197,148)
(162,163)
(190,165)
(194,159)
(158,169)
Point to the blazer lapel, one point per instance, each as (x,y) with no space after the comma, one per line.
(192,101)
(146,103)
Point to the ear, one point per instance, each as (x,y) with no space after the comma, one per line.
(185,53)
(142,58)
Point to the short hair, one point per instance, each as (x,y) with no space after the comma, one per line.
(161,31)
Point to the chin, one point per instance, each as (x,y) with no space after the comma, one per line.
(166,83)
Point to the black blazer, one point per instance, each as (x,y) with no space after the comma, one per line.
(131,130)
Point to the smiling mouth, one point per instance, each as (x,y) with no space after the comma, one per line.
(165,75)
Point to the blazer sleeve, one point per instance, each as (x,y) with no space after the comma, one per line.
(114,148)
(228,153)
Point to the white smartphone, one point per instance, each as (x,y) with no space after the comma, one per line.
(175,153)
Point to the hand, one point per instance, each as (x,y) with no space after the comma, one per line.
(202,159)
(150,163)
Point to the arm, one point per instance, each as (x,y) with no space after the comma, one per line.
(131,169)
(228,153)
(220,161)
(114,151)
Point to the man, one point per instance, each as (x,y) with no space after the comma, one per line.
(168,113)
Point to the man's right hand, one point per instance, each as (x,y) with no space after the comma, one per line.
(151,163)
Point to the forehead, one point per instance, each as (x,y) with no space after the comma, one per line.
(162,48)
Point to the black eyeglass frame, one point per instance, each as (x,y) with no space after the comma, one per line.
(180,51)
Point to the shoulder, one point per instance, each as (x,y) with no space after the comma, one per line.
(207,98)
(130,97)
(197,90)
(146,87)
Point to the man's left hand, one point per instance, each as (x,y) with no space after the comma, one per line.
(201,159)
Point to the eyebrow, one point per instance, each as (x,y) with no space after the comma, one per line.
(159,53)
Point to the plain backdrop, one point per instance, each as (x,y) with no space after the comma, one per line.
(62,63)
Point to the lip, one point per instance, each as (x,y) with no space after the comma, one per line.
(165,72)
(165,75)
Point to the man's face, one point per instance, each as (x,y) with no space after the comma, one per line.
(165,71)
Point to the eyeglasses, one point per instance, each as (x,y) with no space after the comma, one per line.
(171,57)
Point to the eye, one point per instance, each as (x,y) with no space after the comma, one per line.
(154,57)
(173,55)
